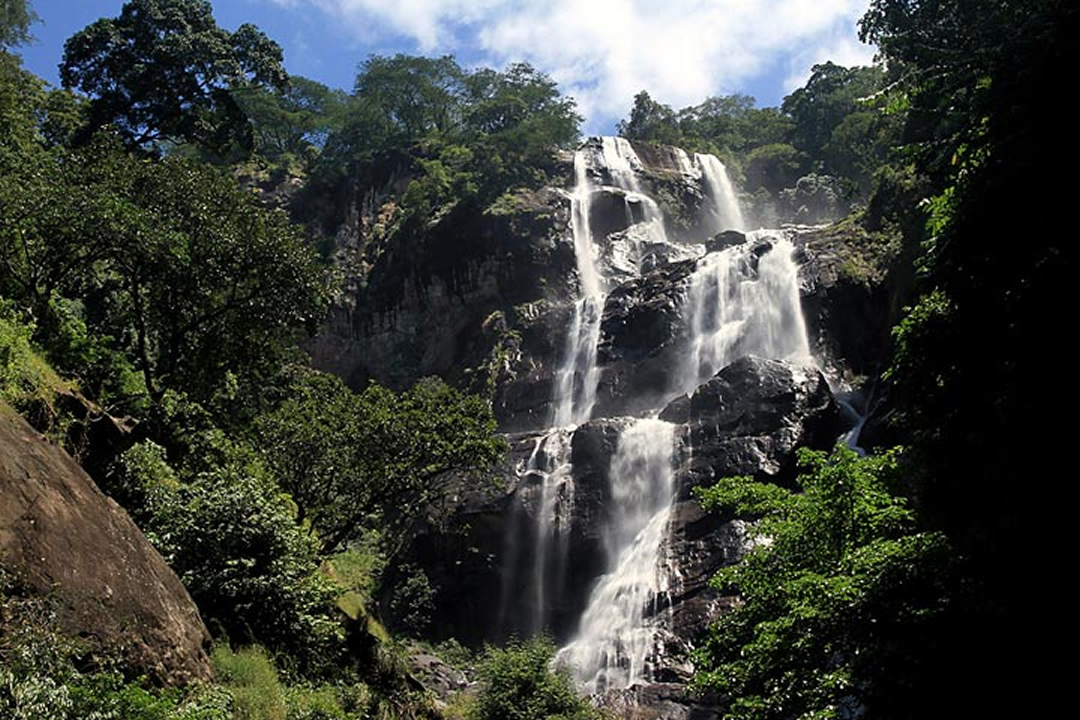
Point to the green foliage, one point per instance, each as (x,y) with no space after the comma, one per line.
(27,381)
(253,682)
(454,134)
(107,696)
(814,199)
(234,541)
(377,459)
(840,594)
(518,683)
(651,121)
(41,676)
(169,262)
(412,601)
(774,167)
(292,124)
(16,17)
(835,124)
(164,70)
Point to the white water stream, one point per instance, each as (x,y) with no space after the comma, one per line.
(741,300)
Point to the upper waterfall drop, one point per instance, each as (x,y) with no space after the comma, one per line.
(726,210)
(584,248)
(743,300)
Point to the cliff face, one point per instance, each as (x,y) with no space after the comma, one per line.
(64,537)
(636,347)
(487,293)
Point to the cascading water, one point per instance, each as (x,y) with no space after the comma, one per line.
(742,301)
(738,301)
(575,379)
(546,493)
(725,210)
(616,639)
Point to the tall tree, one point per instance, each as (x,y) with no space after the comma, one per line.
(16,17)
(164,71)
(295,121)
(650,120)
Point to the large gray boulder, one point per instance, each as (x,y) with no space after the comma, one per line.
(64,538)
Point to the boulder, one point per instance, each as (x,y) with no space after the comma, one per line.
(852,294)
(724,240)
(65,538)
(639,332)
(750,417)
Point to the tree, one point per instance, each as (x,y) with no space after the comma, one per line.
(374,460)
(650,120)
(840,596)
(773,167)
(294,122)
(16,17)
(164,71)
(414,95)
(199,284)
(835,125)
(515,119)
(518,683)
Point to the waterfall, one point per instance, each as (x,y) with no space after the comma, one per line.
(616,638)
(546,488)
(577,374)
(743,300)
(727,214)
(738,301)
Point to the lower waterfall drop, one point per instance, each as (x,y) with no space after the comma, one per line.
(616,637)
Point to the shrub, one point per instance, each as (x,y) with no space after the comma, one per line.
(518,683)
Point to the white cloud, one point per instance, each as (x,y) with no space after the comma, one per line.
(842,47)
(604,51)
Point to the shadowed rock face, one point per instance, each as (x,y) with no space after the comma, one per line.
(746,420)
(528,555)
(63,536)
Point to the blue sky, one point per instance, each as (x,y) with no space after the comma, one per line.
(601,52)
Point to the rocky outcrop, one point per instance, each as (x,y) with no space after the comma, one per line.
(850,297)
(65,538)
(751,416)
(419,306)
(641,325)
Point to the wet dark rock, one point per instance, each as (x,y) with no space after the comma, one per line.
(610,212)
(852,294)
(749,418)
(658,701)
(724,240)
(638,337)
(436,675)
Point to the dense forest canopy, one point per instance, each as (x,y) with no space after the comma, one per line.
(146,272)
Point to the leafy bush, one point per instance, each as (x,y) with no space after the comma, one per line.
(518,683)
(840,594)
(233,539)
(27,381)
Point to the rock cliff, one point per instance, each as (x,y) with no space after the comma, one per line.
(719,333)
